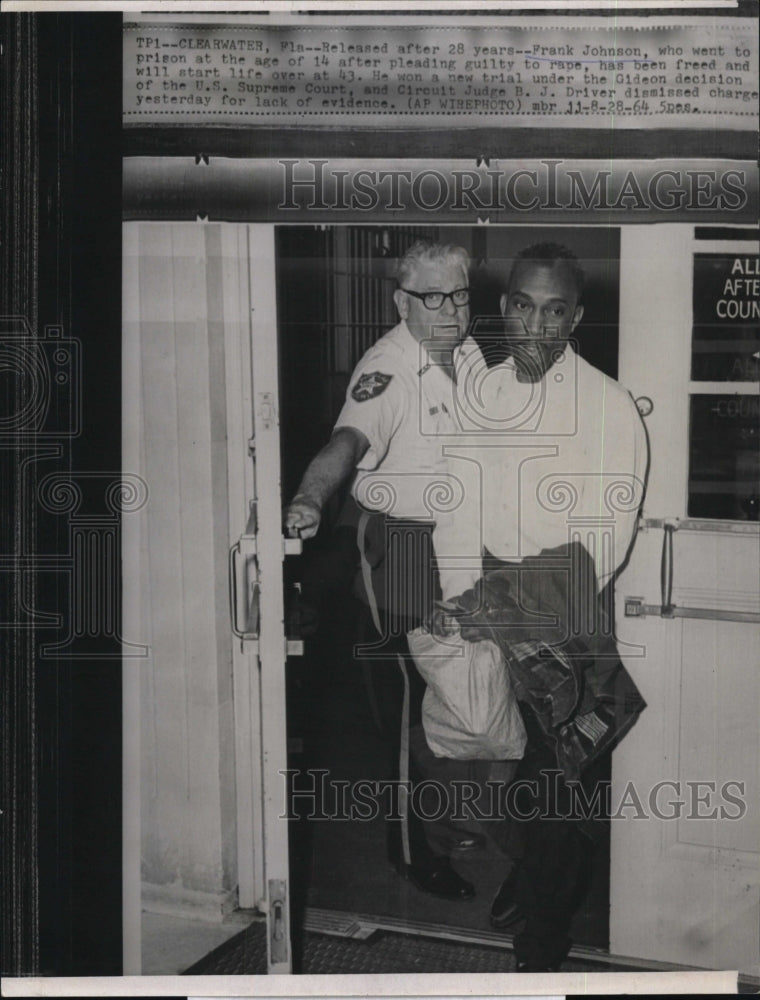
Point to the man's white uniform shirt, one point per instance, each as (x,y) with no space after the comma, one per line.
(406,407)
(543,464)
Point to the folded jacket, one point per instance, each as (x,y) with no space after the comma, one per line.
(549,621)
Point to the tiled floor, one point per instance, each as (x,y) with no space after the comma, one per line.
(172,944)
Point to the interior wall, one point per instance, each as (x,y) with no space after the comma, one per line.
(175,406)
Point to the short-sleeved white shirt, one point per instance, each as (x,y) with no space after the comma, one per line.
(500,464)
(545,463)
(406,408)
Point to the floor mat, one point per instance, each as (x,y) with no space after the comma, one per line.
(384,952)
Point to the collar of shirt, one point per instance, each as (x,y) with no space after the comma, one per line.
(556,382)
(493,401)
(508,365)
(436,384)
(465,353)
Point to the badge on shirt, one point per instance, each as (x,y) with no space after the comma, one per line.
(370,385)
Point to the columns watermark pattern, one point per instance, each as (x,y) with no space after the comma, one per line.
(93,504)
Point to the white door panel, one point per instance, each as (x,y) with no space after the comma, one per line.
(685,889)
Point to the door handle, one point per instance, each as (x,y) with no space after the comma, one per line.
(243,593)
(292,546)
(235,613)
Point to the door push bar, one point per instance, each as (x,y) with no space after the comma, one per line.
(244,587)
(635,607)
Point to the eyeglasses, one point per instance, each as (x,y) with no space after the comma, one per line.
(434,300)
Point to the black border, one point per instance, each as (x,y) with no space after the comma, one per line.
(60,163)
(62,774)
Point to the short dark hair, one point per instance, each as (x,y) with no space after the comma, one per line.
(550,253)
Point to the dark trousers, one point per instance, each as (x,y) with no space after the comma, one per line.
(389,683)
(554,869)
(428,835)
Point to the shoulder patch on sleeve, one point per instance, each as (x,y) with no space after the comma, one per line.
(369,385)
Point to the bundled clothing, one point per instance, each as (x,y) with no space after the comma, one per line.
(549,621)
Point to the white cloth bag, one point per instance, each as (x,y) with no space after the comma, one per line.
(469,711)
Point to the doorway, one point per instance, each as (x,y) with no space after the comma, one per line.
(334,295)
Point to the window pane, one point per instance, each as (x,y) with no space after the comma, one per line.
(724,458)
(725,340)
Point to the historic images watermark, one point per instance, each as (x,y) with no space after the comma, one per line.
(547,185)
(313,794)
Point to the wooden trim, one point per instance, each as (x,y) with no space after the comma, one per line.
(270,553)
(237,324)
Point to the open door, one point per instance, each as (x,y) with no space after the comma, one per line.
(257,603)
(335,298)
(686,848)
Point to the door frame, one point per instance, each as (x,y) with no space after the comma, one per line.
(256,573)
(259,703)
(237,294)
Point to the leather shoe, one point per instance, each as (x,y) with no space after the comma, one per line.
(505,910)
(528,966)
(440,880)
(468,843)
(535,955)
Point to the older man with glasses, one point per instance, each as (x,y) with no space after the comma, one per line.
(400,407)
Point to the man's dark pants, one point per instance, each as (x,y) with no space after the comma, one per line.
(554,869)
